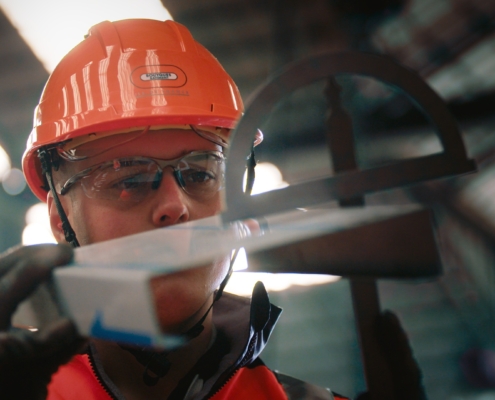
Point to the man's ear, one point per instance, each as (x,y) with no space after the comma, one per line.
(55,221)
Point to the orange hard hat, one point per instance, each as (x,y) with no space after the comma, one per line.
(125,74)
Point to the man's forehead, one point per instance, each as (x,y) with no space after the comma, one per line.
(139,139)
(102,139)
(162,144)
(166,143)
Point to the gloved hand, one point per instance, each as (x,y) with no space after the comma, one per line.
(28,359)
(394,344)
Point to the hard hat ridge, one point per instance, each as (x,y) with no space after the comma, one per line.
(107,36)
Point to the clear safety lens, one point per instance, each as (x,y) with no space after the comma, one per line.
(133,179)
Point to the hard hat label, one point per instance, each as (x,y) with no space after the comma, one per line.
(158,76)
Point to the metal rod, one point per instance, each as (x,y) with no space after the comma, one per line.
(365,301)
(366,306)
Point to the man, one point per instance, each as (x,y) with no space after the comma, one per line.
(130,135)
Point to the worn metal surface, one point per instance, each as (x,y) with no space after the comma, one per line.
(404,245)
(397,247)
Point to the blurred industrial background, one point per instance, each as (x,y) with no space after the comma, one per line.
(451,44)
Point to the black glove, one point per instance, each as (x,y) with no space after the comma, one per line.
(406,374)
(29,359)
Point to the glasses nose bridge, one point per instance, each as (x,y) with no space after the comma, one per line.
(174,166)
(162,164)
(176,172)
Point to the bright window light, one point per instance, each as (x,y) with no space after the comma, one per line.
(240,262)
(268,177)
(37,228)
(242,283)
(53,27)
(4,163)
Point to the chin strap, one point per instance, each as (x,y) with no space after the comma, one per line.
(156,364)
(251,164)
(47,163)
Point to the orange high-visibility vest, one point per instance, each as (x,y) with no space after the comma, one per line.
(77,381)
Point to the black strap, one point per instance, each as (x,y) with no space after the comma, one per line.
(46,168)
(251,164)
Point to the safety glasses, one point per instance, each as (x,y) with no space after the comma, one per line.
(133,179)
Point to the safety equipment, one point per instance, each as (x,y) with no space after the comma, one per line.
(133,179)
(130,74)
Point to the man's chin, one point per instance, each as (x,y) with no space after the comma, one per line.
(178,298)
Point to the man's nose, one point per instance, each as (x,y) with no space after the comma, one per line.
(170,205)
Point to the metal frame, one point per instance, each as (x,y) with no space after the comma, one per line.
(453,160)
(348,185)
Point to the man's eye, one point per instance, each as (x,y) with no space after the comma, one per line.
(130,182)
(199,177)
